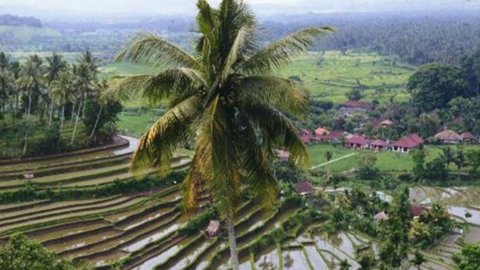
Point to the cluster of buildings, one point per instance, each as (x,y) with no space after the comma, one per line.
(403,145)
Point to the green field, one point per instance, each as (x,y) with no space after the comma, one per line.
(329,81)
(330,76)
(387,161)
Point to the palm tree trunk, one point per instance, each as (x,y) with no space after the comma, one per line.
(73,111)
(96,122)
(51,115)
(233,244)
(25,143)
(29,102)
(76,124)
(61,120)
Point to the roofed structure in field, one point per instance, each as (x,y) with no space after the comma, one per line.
(448,136)
(407,143)
(304,188)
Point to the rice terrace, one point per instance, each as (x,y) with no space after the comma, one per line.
(230,134)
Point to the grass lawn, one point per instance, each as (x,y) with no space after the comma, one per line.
(387,161)
(135,125)
(331,76)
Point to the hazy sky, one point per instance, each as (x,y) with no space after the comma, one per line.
(98,7)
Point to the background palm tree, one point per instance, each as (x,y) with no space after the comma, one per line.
(85,82)
(224,97)
(61,94)
(30,80)
(55,65)
(6,85)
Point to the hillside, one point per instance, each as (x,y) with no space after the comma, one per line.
(23,29)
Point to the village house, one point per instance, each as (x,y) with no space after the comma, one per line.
(305,135)
(448,137)
(468,137)
(213,228)
(304,188)
(379,145)
(407,143)
(381,216)
(283,155)
(334,136)
(356,142)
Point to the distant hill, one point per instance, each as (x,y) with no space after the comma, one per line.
(12,20)
(15,29)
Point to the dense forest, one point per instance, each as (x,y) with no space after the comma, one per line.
(417,38)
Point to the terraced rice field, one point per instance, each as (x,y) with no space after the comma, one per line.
(142,230)
(85,170)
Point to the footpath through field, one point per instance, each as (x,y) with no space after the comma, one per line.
(334,160)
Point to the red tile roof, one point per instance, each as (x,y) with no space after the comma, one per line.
(334,135)
(410,141)
(467,136)
(359,105)
(304,187)
(357,140)
(379,143)
(321,131)
(416,210)
(305,138)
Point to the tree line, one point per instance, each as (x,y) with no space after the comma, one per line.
(45,95)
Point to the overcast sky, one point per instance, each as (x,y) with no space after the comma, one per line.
(52,8)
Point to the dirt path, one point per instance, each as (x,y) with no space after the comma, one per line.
(334,160)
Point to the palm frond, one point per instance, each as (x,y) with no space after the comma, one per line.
(194,184)
(216,137)
(154,50)
(279,132)
(281,52)
(156,147)
(255,163)
(282,94)
(238,46)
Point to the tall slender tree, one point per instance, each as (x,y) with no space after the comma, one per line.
(226,98)
(31,79)
(61,93)
(55,65)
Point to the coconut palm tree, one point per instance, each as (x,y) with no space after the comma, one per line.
(61,93)
(85,83)
(31,79)
(225,98)
(55,65)
(6,85)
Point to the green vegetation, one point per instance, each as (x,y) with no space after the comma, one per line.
(19,253)
(331,75)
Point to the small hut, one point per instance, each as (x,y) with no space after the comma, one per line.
(213,228)
(304,188)
(379,145)
(283,155)
(356,142)
(381,216)
(449,137)
(468,137)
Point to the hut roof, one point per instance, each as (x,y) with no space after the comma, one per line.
(448,135)
(381,216)
(213,227)
(410,141)
(357,140)
(379,143)
(304,187)
(467,136)
(322,131)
